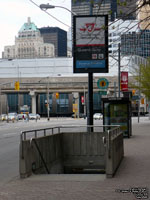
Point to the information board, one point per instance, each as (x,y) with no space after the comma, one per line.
(90,43)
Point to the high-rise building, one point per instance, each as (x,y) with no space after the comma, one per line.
(118,28)
(29,44)
(100,7)
(56,36)
(126,9)
(136,43)
(114,8)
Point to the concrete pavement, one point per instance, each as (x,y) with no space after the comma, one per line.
(132,180)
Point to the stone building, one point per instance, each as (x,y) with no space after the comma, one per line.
(29,44)
(144,16)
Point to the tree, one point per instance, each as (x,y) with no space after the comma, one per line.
(141,76)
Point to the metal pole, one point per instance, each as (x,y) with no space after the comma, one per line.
(84,103)
(48,100)
(90,92)
(139,94)
(119,70)
(115,89)
(90,101)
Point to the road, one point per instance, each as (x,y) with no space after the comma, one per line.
(10,139)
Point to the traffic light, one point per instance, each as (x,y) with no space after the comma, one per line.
(57,95)
(133,92)
(17,86)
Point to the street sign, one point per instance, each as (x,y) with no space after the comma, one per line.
(103,92)
(124,81)
(102,83)
(82,99)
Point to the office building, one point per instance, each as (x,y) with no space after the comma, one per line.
(126,9)
(29,44)
(136,43)
(57,37)
(118,28)
(113,8)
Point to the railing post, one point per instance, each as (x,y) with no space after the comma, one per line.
(35,133)
(44,132)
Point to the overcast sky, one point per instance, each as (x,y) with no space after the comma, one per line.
(14,14)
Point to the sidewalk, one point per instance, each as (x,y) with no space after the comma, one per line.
(132,176)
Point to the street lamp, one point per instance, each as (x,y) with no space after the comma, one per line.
(48,6)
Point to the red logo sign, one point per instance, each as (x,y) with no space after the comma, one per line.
(82,99)
(124,81)
(90,27)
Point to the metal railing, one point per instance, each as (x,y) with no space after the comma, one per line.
(112,130)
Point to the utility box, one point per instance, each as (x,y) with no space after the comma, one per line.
(117,111)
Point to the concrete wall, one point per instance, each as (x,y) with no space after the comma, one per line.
(64,152)
(51,150)
(115,155)
(83,151)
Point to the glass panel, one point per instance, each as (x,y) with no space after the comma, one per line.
(12,100)
(43,101)
(97,103)
(62,103)
(27,100)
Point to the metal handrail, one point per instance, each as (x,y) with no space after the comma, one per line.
(23,135)
(110,133)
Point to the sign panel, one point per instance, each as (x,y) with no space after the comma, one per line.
(124,81)
(103,92)
(75,108)
(90,38)
(82,99)
(102,83)
(17,86)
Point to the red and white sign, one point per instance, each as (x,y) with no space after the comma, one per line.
(90,31)
(124,81)
(82,99)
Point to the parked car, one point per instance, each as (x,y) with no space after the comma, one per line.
(98,116)
(22,116)
(34,116)
(12,116)
(3,117)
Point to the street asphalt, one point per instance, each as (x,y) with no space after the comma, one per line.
(131,181)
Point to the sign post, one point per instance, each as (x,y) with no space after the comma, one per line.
(90,50)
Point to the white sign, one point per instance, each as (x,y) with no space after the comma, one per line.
(90,31)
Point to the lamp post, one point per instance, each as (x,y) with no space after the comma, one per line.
(90,74)
(48,6)
(48,107)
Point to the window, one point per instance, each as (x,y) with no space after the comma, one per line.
(63,103)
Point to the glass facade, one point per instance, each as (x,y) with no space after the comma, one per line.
(12,100)
(97,106)
(136,44)
(62,103)
(43,101)
(27,100)
(56,36)
(61,106)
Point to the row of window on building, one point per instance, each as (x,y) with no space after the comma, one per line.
(63,106)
